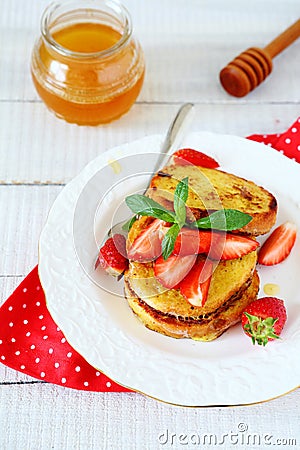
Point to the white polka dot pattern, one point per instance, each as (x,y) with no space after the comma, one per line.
(287,143)
(31,342)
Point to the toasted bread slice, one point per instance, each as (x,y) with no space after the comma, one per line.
(228,278)
(204,328)
(212,190)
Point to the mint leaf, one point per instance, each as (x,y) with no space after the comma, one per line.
(225,220)
(127,225)
(169,240)
(180,197)
(145,206)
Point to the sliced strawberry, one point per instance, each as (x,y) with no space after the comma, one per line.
(194,287)
(235,246)
(264,319)
(279,244)
(171,271)
(192,242)
(112,256)
(188,156)
(147,246)
(217,245)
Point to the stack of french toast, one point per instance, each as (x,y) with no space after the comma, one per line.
(233,282)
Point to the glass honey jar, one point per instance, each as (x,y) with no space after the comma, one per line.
(87,66)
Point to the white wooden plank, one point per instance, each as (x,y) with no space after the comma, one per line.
(66,419)
(26,409)
(26,210)
(37,147)
(185,47)
(7,285)
(186,44)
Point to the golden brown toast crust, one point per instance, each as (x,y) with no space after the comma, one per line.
(234,284)
(204,329)
(228,277)
(211,190)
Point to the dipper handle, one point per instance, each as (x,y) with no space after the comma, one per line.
(250,68)
(283,40)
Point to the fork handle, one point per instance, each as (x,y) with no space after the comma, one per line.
(173,136)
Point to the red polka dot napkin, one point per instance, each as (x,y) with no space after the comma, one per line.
(31,342)
(287,143)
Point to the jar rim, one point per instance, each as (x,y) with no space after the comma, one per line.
(114,5)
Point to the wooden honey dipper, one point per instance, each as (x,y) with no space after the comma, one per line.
(251,67)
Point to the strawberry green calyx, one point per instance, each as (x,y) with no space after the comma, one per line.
(260,330)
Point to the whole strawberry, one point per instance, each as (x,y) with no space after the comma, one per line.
(188,156)
(264,319)
(112,256)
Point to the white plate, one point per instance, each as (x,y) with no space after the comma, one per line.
(102,328)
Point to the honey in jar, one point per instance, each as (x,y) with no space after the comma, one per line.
(87,67)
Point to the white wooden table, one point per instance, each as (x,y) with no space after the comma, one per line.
(186,43)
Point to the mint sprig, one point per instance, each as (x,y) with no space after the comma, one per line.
(127,225)
(222,220)
(180,198)
(145,206)
(169,240)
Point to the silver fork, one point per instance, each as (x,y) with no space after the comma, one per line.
(174,135)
